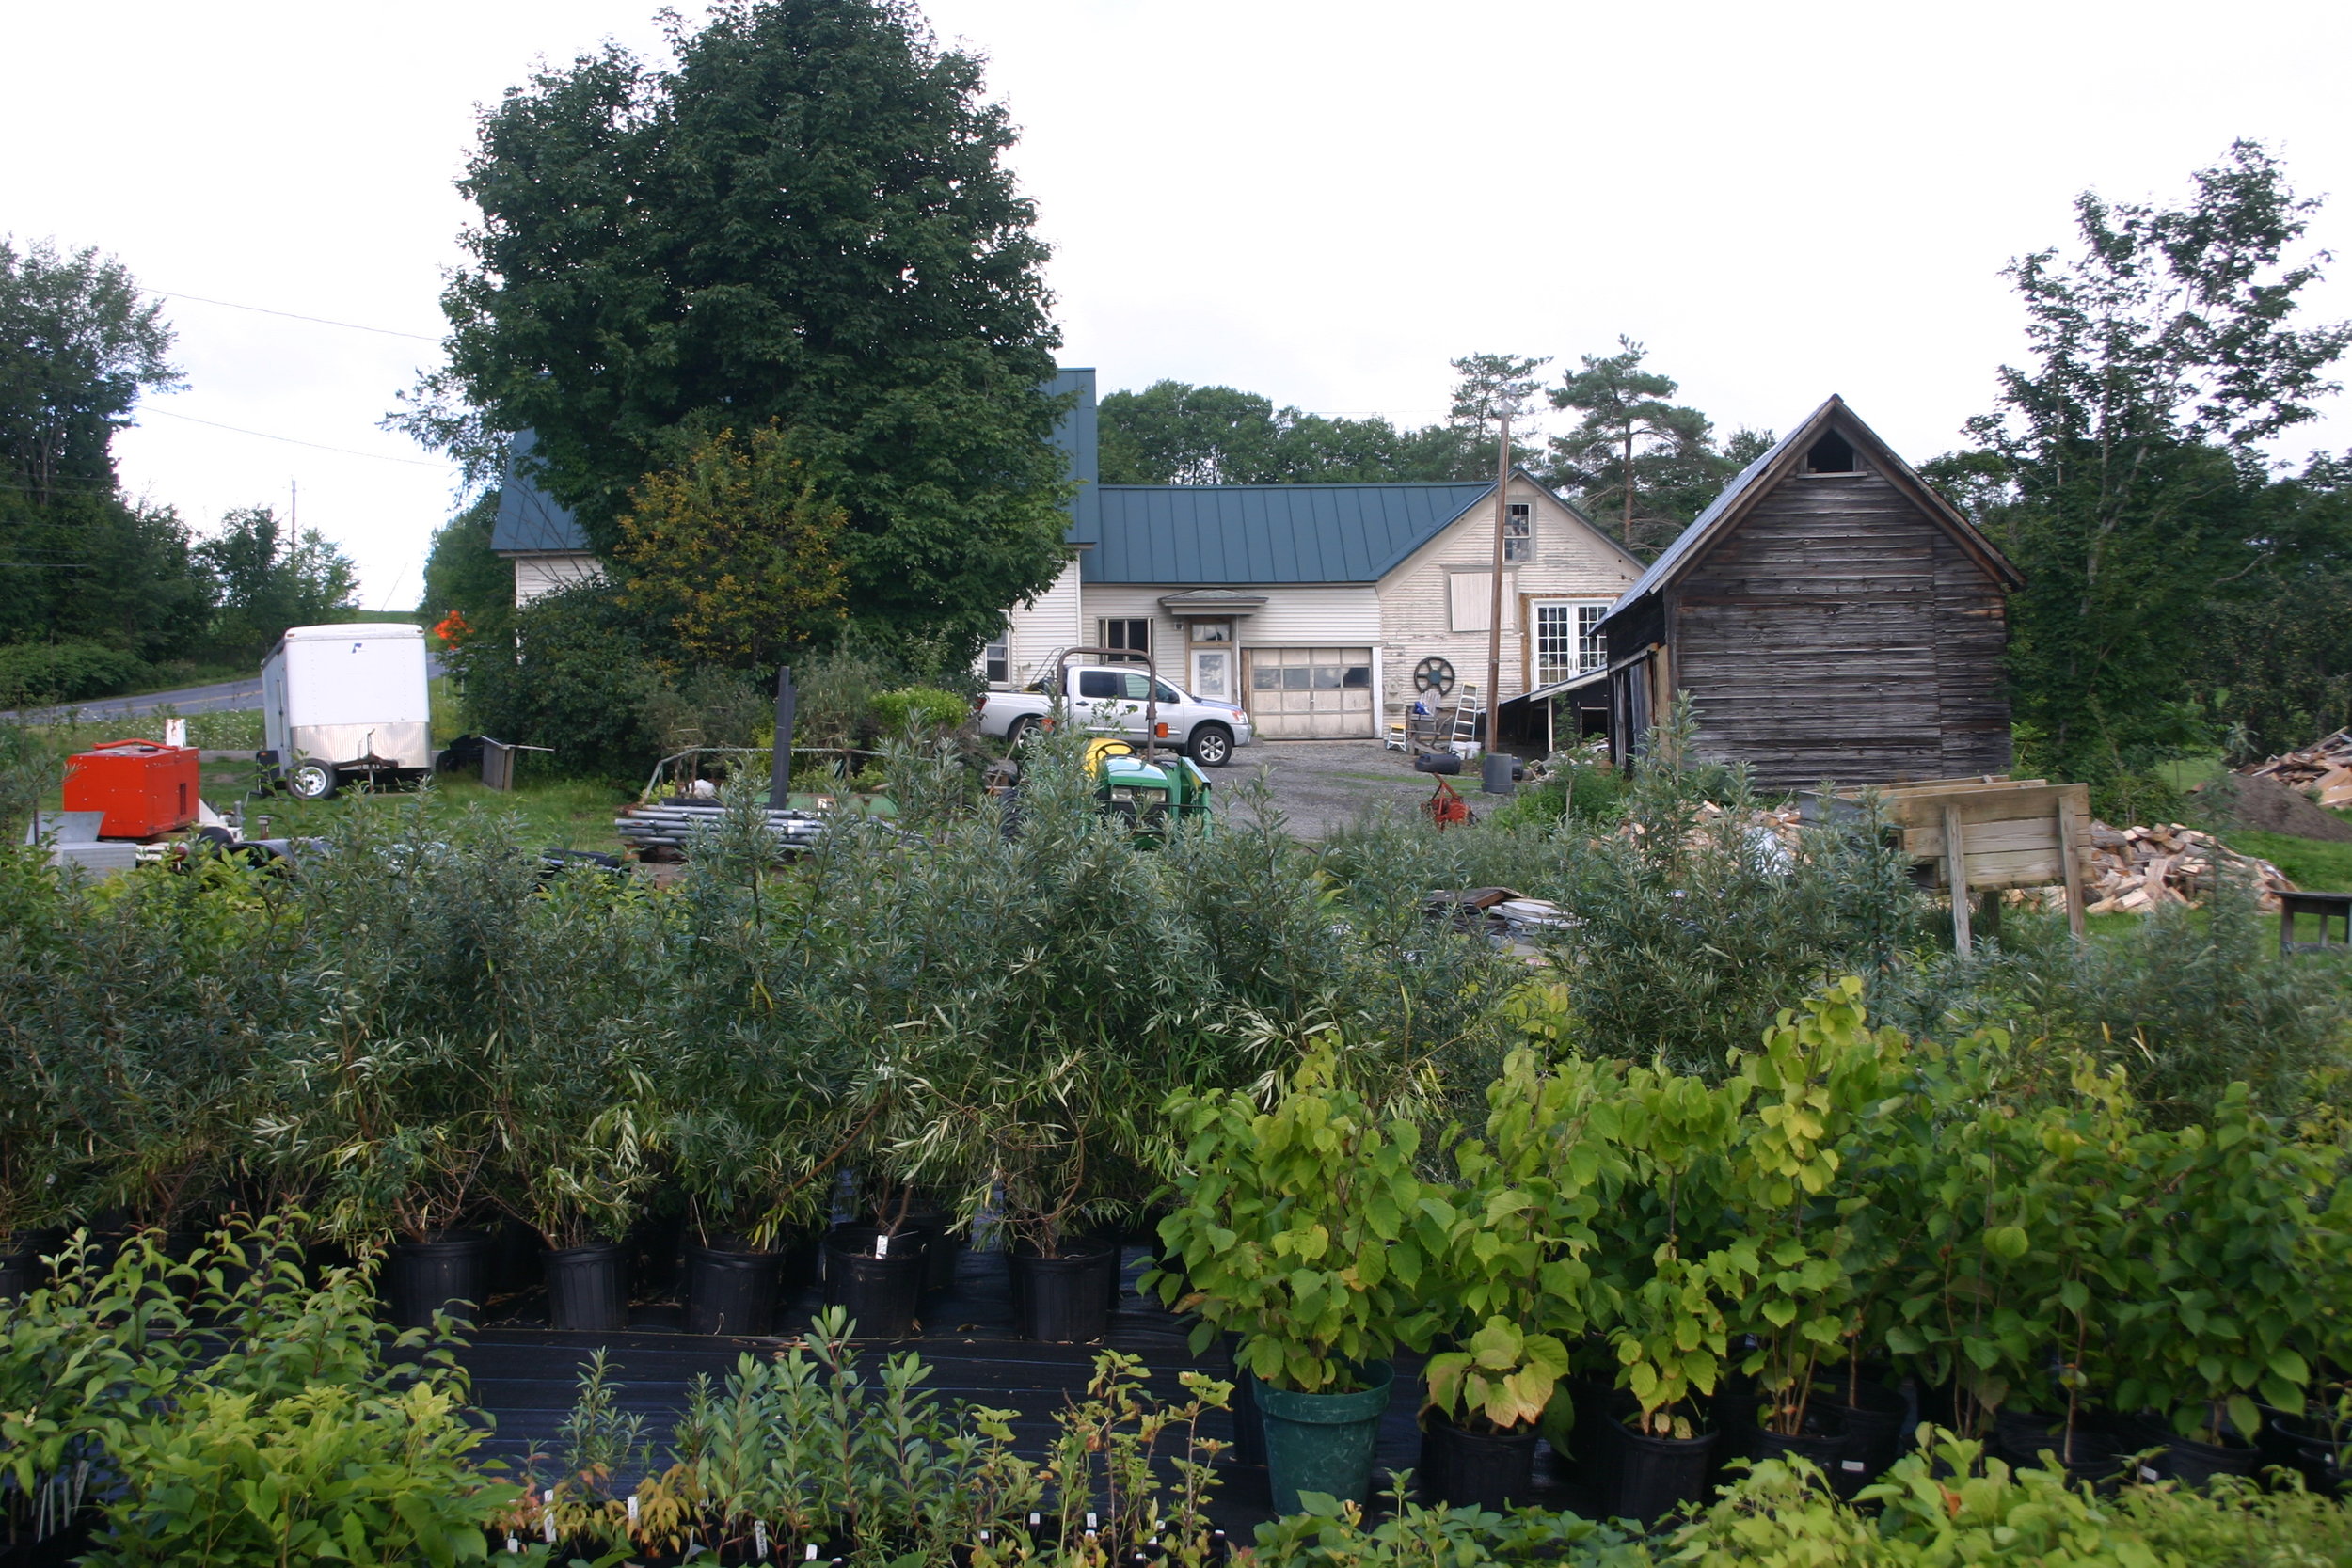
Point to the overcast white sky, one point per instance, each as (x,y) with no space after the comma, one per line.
(1322,201)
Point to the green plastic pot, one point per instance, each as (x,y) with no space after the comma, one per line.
(1322,1442)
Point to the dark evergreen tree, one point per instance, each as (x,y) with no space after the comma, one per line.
(1649,465)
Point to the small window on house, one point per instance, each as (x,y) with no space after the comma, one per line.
(1127,636)
(996,662)
(1518,534)
(1832,455)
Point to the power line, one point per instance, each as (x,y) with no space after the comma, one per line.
(298,316)
(293,441)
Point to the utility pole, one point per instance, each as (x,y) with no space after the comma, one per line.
(1494,613)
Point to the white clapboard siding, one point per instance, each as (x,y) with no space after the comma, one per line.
(1037,631)
(1417,600)
(1294,615)
(535,575)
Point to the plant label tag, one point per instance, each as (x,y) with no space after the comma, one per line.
(513,1547)
(881,1246)
(547,1522)
(812,1553)
(2148,1472)
(1853,1464)
(632,1511)
(759,1538)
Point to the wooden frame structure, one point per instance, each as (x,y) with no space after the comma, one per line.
(1986,834)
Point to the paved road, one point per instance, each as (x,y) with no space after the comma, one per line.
(221,697)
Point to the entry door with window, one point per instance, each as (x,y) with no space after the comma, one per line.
(1566,643)
(1212,674)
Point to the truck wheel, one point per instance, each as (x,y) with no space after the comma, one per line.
(1023,731)
(310,781)
(1211,745)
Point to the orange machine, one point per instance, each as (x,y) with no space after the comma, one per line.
(144,788)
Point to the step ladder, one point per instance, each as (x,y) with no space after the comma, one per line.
(1469,721)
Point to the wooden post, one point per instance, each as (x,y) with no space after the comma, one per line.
(1494,612)
(780,759)
(2071,864)
(1956,872)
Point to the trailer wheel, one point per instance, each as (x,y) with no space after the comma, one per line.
(310,781)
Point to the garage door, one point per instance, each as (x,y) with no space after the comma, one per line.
(1310,693)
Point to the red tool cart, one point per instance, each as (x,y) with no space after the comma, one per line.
(144,788)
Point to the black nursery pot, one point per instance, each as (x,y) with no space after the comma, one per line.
(2025,1434)
(1477,1470)
(2300,1444)
(1248,1425)
(1649,1477)
(21,1268)
(732,1290)
(880,1295)
(588,1288)
(450,1274)
(1063,1300)
(1874,1435)
(2184,1458)
(1823,1441)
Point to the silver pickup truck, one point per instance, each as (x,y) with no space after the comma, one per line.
(1112,698)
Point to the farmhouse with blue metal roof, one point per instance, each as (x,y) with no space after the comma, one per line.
(1322,609)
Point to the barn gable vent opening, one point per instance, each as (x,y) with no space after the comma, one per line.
(1832,455)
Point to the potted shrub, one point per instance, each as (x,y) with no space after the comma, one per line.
(2064,1252)
(1301,1229)
(1511,1288)
(578,1146)
(2223,1305)
(1666,1286)
(395,1137)
(1816,1081)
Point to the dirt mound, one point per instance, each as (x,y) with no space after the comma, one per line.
(2268,806)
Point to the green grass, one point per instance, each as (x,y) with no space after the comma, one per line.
(2310,863)
(567,814)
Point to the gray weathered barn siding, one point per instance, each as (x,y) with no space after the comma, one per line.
(1842,625)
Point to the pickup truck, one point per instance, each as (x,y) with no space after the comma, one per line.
(1108,698)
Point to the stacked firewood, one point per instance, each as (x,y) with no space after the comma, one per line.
(2322,770)
(2139,869)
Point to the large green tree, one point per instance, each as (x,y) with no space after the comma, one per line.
(803,219)
(79,346)
(1172,433)
(2124,470)
(1651,463)
(267,579)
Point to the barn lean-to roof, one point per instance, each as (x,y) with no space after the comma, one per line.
(1761,476)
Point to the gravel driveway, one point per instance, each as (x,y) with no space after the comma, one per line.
(1322,784)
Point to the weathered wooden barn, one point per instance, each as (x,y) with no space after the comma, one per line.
(1831,616)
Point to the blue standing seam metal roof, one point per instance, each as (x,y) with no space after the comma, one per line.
(1267,534)
(528,519)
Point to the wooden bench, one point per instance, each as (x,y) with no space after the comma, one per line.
(2327,907)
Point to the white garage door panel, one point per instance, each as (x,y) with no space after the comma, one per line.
(1310,693)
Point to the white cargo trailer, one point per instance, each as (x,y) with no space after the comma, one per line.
(340,702)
